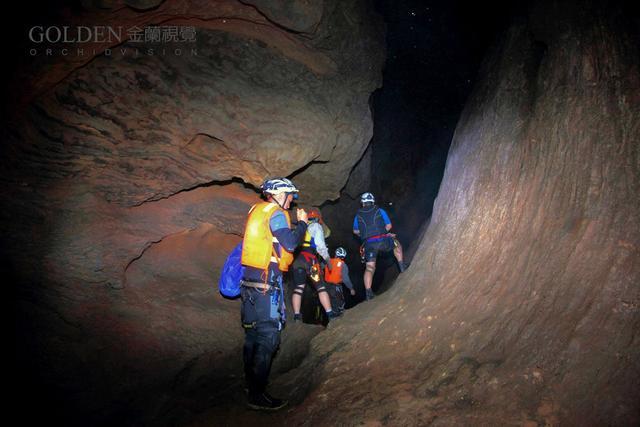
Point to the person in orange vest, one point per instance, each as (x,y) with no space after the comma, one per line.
(337,273)
(267,247)
(307,265)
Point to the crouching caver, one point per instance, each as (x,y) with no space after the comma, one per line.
(267,247)
(335,277)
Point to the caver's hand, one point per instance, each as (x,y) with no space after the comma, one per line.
(302,215)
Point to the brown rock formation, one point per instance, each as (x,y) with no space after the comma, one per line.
(123,181)
(123,192)
(521,304)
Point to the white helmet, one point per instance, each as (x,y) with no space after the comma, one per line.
(367,198)
(278,186)
(341,252)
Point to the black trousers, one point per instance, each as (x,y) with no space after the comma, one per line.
(302,271)
(260,345)
(371,248)
(336,296)
(261,338)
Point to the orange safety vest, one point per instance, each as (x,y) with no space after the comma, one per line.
(258,249)
(335,274)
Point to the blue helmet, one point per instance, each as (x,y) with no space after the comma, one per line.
(367,198)
(341,252)
(278,186)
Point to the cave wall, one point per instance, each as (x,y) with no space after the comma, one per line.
(521,305)
(127,178)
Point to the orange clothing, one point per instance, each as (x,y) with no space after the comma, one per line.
(335,274)
(259,244)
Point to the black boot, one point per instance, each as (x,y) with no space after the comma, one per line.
(265,402)
(333,314)
(369,295)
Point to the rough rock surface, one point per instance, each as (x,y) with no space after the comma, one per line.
(124,188)
(522,305)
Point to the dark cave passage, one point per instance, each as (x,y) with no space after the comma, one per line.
(501,139)
(433,54)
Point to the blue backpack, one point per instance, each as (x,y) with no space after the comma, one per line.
(229,283)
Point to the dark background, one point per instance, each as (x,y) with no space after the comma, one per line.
(434,52)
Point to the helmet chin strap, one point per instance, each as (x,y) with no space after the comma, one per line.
(280,204)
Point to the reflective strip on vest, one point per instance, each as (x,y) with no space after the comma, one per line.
(308,240)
